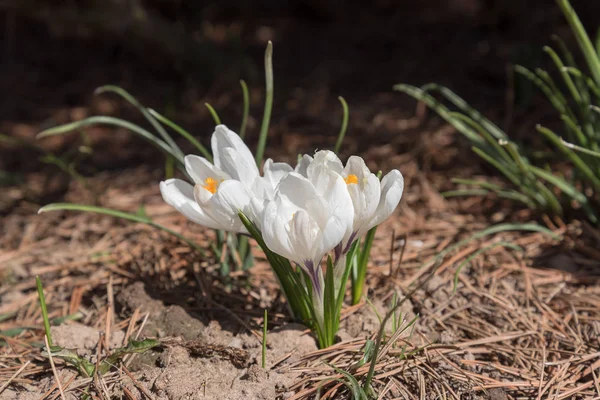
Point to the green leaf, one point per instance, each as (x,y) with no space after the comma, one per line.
(264,128)
(344,127)
(246,109)
(362,263)
(329,305)
(83,366)
(134,346)
(579,163)
(465,192)
(205,153)
(468,110)
(118,214)
(294,290)
(213,113)
(144,111)
(112,121)
(368,350)
(585,44)
(16,331)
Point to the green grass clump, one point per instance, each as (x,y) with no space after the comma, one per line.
(575,95)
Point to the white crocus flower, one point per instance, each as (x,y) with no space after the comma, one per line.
(373,201)
(303,225)
(219,190)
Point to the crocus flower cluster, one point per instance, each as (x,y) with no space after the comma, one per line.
(320,207)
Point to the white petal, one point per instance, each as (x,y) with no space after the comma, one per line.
(262,189)
(224,138)
(230,198)
(392,186)
(256,210)
(305,235)
(179,194)
(365,193)
(274,172)
(302,193)
(238,167)
(328,159)
(303,165)
(199,168)
(276,217)
(342,219)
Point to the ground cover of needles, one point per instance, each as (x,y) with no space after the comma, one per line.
(519,324)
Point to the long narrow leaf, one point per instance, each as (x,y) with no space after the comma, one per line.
(443,112)
(144,111)
(246,108)
(581,165)
(112,121)
(344,125)
(118,214)
(468,110)
(565,75)
(183,133)
(264,128)
(583,39)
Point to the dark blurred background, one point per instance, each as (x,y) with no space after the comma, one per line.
(175,55)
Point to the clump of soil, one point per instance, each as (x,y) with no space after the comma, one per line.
(82,338)
(208,371)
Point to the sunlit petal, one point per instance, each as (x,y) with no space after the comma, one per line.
(179,194)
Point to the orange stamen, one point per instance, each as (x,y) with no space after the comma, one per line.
(351,179)
(211,185)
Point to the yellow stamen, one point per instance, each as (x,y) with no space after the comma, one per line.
(351,179)
(211,185)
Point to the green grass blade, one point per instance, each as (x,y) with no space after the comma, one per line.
(363,260)
(329,303)
(518,159)
(570,62)
(575,129)
(358,393)
(581,149)
(213,114)
(562,184)
(264,128)
(344,126)
(565,75)
(537,81)
(442,111)
(556,93)
(290,283)
(500,192)
(467,109)
(579,163)
(112,121)
(246,109)
(527,227)
(464,192)
(585,44)
(485,134)
(183,133)
(264,341)
(511,176)
(42,297)
(118,214)
(143,110)
(478,183)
